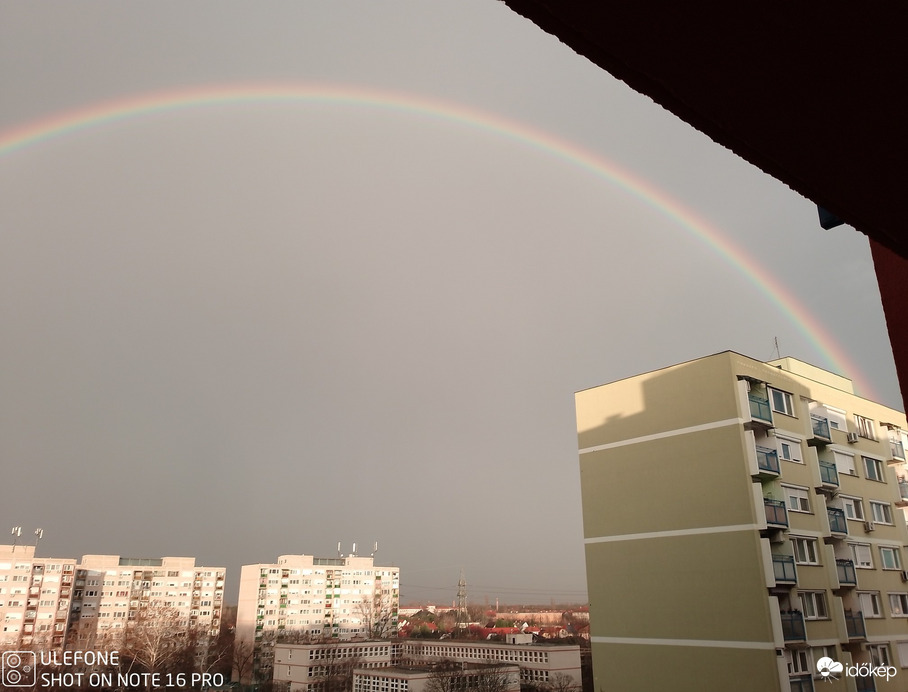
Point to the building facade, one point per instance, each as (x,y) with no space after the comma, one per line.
(35,597)
(743,520)
(307,666)
(112,593)
(304,597)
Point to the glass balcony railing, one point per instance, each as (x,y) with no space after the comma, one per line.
(854,624)
(837,523)
(775,512)
(793,626)
(903,488)
(767,459)
(828,473)
(897,448)
(820,427)
(846,573)
(759,408)
(783,567)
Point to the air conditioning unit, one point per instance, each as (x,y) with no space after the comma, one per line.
(868,526)
(852,437)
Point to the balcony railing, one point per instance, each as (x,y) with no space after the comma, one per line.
(767,459)
(802,683)
(865,683)
(820,427)
(783,567)
(897,448)
(759,408)
(837,523)
(854,624)
(775,512)
(845,570)
(828,473)
(793,626)
(903,488)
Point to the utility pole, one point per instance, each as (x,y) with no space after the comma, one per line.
(462,617)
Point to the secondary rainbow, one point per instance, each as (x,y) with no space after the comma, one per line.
(149,104)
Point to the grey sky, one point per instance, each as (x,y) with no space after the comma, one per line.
(247,330)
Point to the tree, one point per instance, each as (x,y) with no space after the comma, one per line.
(453,676)
(243,652)
(378,615)
(159,641)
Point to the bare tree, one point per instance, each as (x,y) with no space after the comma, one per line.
(243,652)
(378,615)
(159,641)
(452,676)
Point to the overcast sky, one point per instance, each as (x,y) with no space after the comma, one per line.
(251,329)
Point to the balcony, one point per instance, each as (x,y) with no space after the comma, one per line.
(828,474)
(793,626)
(759,409)
(854,624)
(845,571)
(837,523)
(897,449)
(768,460)
(819,426)
(802,683)
(864,683)
(776,515)
(783,568)
(903,493)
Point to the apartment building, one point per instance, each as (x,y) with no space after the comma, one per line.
(742,520)
(112,593)
(307,666)
(35,595)
(306,597)
(413,678)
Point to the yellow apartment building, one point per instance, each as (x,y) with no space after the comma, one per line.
(744,530)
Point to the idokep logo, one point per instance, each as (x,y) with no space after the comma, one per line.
(826,667)
(17,669)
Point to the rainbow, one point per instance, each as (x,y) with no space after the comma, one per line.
(150,104)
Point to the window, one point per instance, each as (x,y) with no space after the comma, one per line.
(874,469)
(889,557)
(881,512)
(865,427)
(844,463)
(799,662)
(898,605)
(861,554)
(782,402)
(789,450)
(798,499)
(879,654)
(805,551)
(871,605)
(854,508)
(814,605)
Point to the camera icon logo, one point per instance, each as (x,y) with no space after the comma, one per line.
(17,669)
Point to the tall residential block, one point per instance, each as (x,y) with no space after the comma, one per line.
(35,596)
(303,597)
(112,593)
(743,520)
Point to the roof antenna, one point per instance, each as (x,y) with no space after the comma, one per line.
(778,353)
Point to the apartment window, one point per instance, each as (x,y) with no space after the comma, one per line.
(798,499)
(874,469)
(782,402)
(805,551)
(898,605)
(844,463)
(871,604)
(881,512)
(799,662)
(853,507)
(814,605)
(860,552)
(879,654)
(889,557)
(789,450)
(865,427)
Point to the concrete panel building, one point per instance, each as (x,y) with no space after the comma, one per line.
(35,597)
(307,666)
(302,597)
(742,520)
